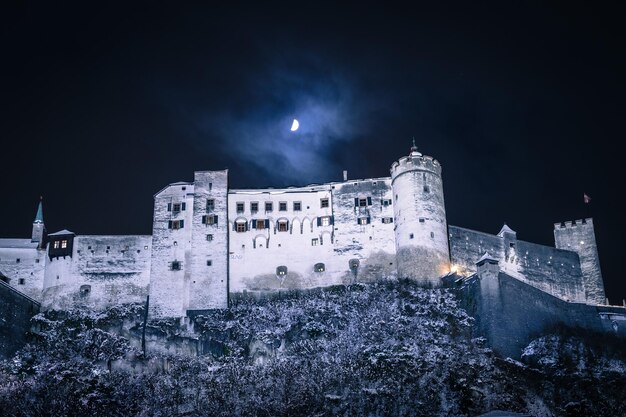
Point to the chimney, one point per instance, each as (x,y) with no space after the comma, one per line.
(345,175)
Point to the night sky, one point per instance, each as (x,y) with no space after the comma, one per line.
(523,105)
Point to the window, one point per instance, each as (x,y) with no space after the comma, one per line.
(324,202)
(364,220)
(209,237)
(281,270)
(63,244)
(210,186)
(176,265)
(511,245)
(315,242)
(261,224)
(362,202)
(57,244)
(354,264)
(210,219)
(21,281)
(319,267)
(411,236)
(37,260)
(282,206)
(176,207)
(209,262)
(387,220)
(283,225)
(432,235)
(426,188)
(324,221)
(297,206)
(385,202)
(254,207)
(176,224)
(17,261)
(108,247)
(210,205)
(240,227)
(269,206)
(421,220)
(240,207)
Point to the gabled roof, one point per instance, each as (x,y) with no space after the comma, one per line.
(506,229)
(487,258)
(62,233)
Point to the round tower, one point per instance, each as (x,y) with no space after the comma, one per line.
(421,231)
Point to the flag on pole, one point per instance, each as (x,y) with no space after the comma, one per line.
(586,198)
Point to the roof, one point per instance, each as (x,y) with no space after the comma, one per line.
(487,258)
(62,233)
(18,243)
(39,215)
(505,229)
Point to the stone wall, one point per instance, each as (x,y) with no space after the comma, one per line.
(15,314)
(555,271)
(24,267)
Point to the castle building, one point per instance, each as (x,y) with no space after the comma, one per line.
(210,243)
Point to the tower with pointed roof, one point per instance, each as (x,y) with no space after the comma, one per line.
(421,233)
(38,226)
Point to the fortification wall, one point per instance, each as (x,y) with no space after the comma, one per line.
(555,271)
(579,236)
(519,313)
(15,314)
(102,271)
(25,269)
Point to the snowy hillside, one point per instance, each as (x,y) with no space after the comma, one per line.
(375,350)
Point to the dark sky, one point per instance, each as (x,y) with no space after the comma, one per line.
(523,104)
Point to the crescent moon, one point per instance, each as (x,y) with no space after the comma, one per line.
(295,125)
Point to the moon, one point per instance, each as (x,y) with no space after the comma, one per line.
(295,125)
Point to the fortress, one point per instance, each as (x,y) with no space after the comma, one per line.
(210,244)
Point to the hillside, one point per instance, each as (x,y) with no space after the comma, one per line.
(380,349)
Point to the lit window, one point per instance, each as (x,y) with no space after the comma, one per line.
(315,242)
(281,270)
(210,205)
(63,244)
(324,202)
(254,207)
(283,225)
(282,206)
(209,237)
(260,224)
(209,219)
(269,206)
(176,224)
(240,207)
(319,267)
(364,220)
(325,221)
(297,206)
(387,220)
(57,244)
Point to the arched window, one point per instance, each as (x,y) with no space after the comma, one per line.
(319,267)
(281,271)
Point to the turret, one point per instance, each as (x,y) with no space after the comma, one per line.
(579,236)
(421,233)
(38,226)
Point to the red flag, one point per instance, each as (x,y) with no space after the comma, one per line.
(586,198)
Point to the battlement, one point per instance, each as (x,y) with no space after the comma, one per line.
(573,223)
(415,162)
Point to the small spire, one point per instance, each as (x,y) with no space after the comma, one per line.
(39,215)
(414,151)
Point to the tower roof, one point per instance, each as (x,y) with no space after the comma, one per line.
(414,151)
(487,258)
(39,215)
(505,229)
(63,232)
